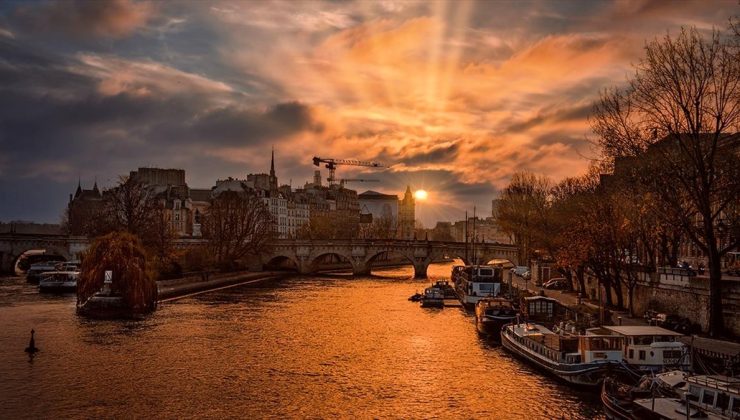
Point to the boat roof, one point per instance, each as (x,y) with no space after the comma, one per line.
(726,383)
(528,298)
(631,330)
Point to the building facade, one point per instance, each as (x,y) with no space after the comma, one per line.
(407,215)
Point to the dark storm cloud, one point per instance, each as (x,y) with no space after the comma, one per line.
(236,126)
(436,154)
(56,125)
(577,113)
(84,18)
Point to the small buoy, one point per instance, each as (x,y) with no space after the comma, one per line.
(32,344)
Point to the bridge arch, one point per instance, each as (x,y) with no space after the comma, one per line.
(330,258)
(23,260)
(367,263)
(282,262)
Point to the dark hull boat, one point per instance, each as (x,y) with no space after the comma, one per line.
(577,359)
(492,314)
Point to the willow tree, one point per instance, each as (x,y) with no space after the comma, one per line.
(124,255)
(678,119)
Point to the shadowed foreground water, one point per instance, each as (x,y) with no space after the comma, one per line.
(324,346)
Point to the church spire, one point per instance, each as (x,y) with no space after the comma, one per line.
(79,188)
(273,178)
(272,163)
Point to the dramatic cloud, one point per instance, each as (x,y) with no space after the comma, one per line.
(451,96)
(84,18)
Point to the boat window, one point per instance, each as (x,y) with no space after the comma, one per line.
(485,272)
(485,287)
(723,401)
(632,353)
(644,340)
(708,397)
(672,354)
(694,391)
(642,355)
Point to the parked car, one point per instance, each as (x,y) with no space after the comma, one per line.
(672,322)
(558,283)
(520,270)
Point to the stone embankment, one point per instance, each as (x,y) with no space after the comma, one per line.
(205,282)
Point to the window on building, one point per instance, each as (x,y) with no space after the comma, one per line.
(632,354)
(642,355)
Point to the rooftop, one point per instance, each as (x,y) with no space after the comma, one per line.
(630,330)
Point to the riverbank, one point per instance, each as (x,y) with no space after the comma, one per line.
(169,290)
(717,352)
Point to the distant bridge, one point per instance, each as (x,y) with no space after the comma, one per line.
(305,256)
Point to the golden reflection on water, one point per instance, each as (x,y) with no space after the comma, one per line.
(316,347)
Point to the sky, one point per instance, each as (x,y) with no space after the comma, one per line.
(452,97)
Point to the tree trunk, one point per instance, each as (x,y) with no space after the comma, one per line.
(618,288)
(716,317)
(631,293)
(581,280)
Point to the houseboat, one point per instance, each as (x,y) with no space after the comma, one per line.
(491,314)
(619,397)
(649,348)
(433,298)
(576,359)
(59,281)
(708,396)
(475,282)
(543,310)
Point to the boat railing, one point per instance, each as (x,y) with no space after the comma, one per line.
(570,359)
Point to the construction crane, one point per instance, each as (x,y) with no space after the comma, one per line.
(331,165)
(343,180)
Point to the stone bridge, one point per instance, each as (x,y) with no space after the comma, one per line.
(13,245)
(306,255)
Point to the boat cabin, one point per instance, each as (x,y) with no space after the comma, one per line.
(479,280)
(542,309)
(649,347)
(715,393)
(710,396)
(568,348)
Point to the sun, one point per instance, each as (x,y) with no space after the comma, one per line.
(420,195)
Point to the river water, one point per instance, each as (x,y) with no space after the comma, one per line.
(305,347)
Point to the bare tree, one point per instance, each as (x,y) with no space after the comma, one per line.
(521,210)
(237,224)
(131,206)
(679,115)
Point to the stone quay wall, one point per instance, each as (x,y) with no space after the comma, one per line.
(674,292)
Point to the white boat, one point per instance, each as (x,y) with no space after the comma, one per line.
(649,348)
(433,297)
(708,396)
(475,282)
(36,270)
(576,359)
(59,281)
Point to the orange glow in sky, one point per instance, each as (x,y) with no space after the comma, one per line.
(420,195)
